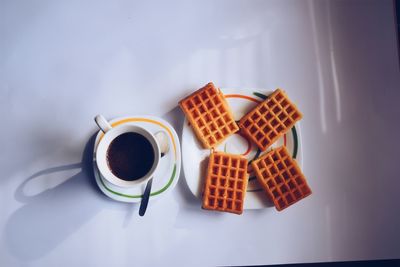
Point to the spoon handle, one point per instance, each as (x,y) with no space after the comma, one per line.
(145,198)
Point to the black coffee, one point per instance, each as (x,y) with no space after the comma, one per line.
(130,156)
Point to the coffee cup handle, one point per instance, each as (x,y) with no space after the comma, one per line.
(162,140)
(102,123)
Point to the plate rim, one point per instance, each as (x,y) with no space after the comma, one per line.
(247,94)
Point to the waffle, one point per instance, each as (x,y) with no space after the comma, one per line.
(210,116)
(281,178)
(226,183)
(270,119)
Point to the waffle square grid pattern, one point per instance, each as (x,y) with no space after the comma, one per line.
(226,183)
(209,115)
(270,119)
(281,178)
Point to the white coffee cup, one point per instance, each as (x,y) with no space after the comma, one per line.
(158,141)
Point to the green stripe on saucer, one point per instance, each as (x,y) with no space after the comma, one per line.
(139,196)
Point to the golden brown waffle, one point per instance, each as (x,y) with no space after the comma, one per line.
(270,119)
(210,116)
(281,178)
(226,183)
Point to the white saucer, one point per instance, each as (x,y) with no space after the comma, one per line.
(195,156)
(166,175)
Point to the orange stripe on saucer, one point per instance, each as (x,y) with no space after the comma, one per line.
(114,124)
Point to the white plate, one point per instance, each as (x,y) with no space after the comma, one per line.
(166,175)
(195,157)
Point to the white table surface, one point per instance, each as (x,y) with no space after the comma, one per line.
(62,63)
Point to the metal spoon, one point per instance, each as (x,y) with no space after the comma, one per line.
(145,198)
(164,147)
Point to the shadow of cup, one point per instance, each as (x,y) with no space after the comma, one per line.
(51,216)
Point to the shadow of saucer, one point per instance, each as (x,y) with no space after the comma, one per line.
(51,216)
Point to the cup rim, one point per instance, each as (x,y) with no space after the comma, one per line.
(102,148)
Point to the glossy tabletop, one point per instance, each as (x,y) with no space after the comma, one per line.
(63,62)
